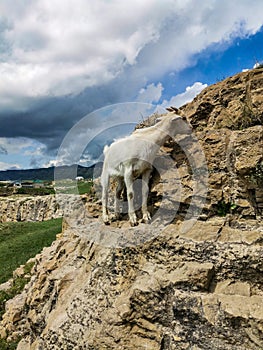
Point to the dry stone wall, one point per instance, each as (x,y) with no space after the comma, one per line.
(37,208)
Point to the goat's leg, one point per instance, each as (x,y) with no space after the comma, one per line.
(128,179)
(104,198)
(145,191)
(119,189)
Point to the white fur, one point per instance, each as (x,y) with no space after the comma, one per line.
(128,158)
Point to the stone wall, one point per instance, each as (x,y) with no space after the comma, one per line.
(23,208)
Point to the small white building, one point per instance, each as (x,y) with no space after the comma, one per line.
(79,178)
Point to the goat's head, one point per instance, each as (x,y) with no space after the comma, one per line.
(175,124)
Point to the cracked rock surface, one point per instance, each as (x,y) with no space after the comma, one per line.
(177,291)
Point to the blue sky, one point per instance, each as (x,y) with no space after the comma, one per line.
(61,60)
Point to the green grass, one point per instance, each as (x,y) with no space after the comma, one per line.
(84,187)
(36,191)
(4,345)
(20,241)
(69,187)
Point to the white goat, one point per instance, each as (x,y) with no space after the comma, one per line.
(131,157)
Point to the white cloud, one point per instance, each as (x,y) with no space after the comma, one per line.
(111,48)
(185,97)
(58,48)
(151,94)
(21,150)
(19,145)
(52,162)
(61,48)
(7,166)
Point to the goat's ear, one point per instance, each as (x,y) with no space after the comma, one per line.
(176,117)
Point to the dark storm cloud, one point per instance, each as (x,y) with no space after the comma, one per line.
(49,119)
(59,63)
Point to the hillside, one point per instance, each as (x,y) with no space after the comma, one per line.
(192,279)
(47,174)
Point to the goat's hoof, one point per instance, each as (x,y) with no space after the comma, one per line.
(134,223)
(146,218)
(106,219)
(133,220)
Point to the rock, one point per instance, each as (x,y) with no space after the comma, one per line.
(24,208)
(23,345)
(19,272)
(183,282)
(172,290)
(7,285)
(14,309)
(233,288)
(40,208)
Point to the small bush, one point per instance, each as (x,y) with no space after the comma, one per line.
(224,208)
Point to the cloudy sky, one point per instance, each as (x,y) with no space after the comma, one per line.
(63,59)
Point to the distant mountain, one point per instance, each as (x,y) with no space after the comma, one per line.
(62,172)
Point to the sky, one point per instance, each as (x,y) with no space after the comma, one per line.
(65,61)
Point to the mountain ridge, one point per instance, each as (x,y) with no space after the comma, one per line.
(71,172)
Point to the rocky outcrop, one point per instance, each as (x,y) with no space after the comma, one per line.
(186,281)
(227,122)
(40,208)
(23,208)
(227,118)
(199,290)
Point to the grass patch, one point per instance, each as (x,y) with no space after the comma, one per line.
(36,191)
(71,187)
(4,345)
(85,187)
(20,241)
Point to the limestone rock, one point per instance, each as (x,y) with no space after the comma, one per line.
(173,291)
(24,208)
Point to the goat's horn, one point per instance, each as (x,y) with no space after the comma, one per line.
(172,109)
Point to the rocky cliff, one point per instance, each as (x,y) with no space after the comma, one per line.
(228,120)
(190,281)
